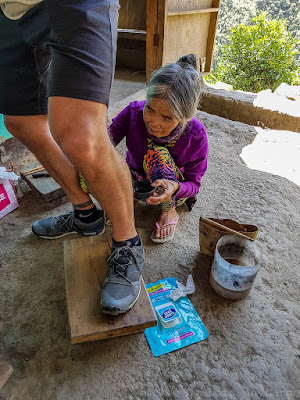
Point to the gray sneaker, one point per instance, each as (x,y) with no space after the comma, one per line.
(122,284)
(62,225)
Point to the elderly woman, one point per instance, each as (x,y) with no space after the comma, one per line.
(166,145)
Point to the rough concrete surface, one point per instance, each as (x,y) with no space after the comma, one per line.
(253,349)
(278,110)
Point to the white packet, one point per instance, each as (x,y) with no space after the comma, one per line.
(182,290)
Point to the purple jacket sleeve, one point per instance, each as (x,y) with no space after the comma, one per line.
(196,167)
(119,126)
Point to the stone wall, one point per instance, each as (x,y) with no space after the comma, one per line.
(277,110)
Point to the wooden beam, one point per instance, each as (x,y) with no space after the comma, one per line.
(132,14)
(132,34)
(187,12)
(151,28)
(155,25)
(211,37)
(161,21)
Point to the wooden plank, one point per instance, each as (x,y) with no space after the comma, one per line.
(132,34)
(85,271)
(201,11)
(173,28)
(155,24)
(151,44)
(5,371)
(161,25)
(185,34)
(185,5)
(190,27)
(211,37)
(132,14)
(45,187)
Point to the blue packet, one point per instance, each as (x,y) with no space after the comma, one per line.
(178,324)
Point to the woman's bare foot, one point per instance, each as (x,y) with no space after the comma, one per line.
(168,218)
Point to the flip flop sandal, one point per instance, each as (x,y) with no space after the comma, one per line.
(159,228)
(107,221)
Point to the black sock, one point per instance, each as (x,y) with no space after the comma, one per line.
(88,216)
(135,241)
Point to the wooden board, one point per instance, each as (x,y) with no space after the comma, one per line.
(132,14)
(182,36)
(85,270)
(211,37)
(44,187)
(5,371)
(178,27)
(155,26)
(173,28)
(190,27)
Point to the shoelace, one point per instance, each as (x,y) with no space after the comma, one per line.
(115,255)
(65,221)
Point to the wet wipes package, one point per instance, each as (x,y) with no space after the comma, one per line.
(178,325)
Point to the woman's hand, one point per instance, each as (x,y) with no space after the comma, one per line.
(168,188)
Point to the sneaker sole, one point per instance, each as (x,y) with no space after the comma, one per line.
(70,233)
(117,311)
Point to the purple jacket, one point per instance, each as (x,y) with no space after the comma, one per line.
(189,152)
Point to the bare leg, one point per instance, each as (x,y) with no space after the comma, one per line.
(33,131)
(79,127)
(165,218)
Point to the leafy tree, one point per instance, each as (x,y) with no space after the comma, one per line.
(231,13)
(259,56)
(235,12)
(289,10)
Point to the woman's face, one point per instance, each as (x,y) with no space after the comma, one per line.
(158,118)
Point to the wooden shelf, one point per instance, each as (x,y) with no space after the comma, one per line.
(132,34)
(171,28)
(188,12)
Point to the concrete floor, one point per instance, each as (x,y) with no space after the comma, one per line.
(253,349)
(126,83)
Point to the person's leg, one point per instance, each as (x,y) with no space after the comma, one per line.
(78,98)
(83,46)
(83,43)
(79,127)
(23,82)
(33,131)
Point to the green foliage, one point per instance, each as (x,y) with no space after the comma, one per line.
(289,10)
(231,13)
(258,56)
(235,12)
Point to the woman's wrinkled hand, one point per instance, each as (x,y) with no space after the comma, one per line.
(167,189)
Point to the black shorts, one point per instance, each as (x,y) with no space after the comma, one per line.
(58,48)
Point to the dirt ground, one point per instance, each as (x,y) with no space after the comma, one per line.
(253,350)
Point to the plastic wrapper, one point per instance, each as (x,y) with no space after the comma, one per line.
(8,199)
(179,325)
(181,290)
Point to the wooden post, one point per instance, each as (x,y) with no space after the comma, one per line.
(211,37)
(155,22)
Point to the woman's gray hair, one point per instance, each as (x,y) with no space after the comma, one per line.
(179,84)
